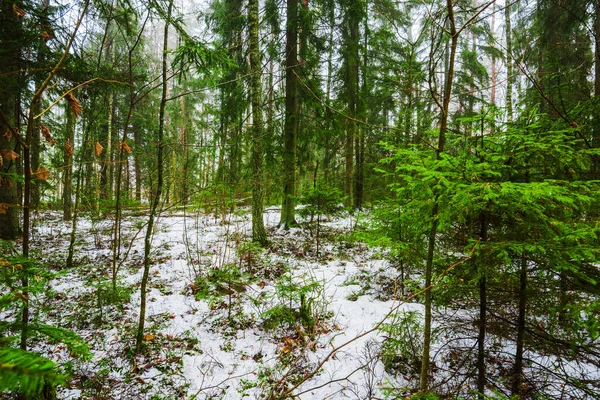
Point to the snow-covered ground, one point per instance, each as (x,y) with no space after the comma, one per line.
(225,344)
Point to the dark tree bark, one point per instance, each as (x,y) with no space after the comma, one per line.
(35,137)
(517,382)
(288,213)
(359,145)
(352,66)
(10,35)
(596,128)
(328,151)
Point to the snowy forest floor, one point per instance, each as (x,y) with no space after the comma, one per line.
(228,320)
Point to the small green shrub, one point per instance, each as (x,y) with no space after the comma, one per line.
(296,303)
(402,348)
(249,255)
(227,280)
(104,297)
(325,201)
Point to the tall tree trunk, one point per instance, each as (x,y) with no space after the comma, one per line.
(481,379)
(352,37)
(493,59)
(596,128)
(116,242)
(35,137)
(68,166)
(288,213)
(137,164)
(27,171)
(327,153)
(471,102)
(435,209)
(184,192)
(78,189)
(269,133)
(258,227)
(359,176)
(10,34)
(517,383)
(156,201)
(108,167)
(509,64)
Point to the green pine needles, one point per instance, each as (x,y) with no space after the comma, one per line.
(25,372)
(527,197)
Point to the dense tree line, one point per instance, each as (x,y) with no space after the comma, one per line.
(468,130)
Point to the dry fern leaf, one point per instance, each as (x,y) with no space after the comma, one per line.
(8,135)
(98,149)
(47,135)
(74,103)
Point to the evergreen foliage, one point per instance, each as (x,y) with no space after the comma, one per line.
(466,133)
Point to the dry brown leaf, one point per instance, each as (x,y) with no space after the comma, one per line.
(148,337)
(19,11)
(4,207)
(74,103)
(9,155)
(47,135)
(68,148)
(125,146)
(8,135)
(47,35)
(42,173)
(98,149)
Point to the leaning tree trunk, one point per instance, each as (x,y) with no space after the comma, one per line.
(159,185)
